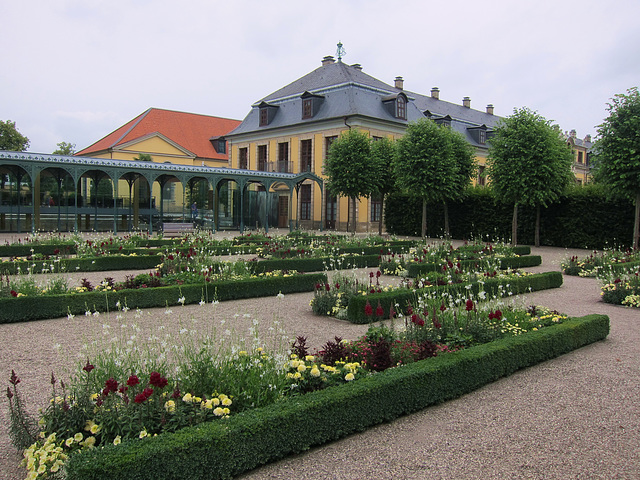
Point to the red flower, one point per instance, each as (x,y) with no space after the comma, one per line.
(368,309)
(379,310)
(337,286)
(497,315)
(327,286)
(14,293)
(111,385)
(158,380)
(378,273)
(442,307)
(370,274)
(133,381)
(140,398)
(469,305)
(14,379)
(88,367)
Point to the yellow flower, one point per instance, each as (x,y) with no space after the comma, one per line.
(315,372)
(309,358)
(226,402)
(349,376)
(218,412)
(78,437)
(143,433)
(117,440)
(69,441)
(90,442)
(187,398)
(302,368)
(170,406)
(95,429)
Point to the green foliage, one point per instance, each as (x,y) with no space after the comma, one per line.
(243,442)
(348,165)
(11,139)
(583,217)
(383,152)
(529,162)
(65,148)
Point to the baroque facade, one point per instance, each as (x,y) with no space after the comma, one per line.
(291,130)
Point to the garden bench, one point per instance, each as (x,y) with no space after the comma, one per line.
(177,229)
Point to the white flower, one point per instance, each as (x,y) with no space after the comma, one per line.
(201,302)
(280,295)
(70,316)
(181,300)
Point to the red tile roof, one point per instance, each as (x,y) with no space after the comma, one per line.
(189,130)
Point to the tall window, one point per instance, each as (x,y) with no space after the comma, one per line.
(262,158)
(305,202)
(483,137)
(376,208)
(402,107)
(264,117)
(327,143)
(579,157)
(481,176)
(307,108)
(243,160)
(305,156)
(283,157)
(222,146)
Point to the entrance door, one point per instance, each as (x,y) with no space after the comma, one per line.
(331,204)
(283,212)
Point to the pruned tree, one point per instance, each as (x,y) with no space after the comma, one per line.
(529,163)
(349,168)
(463,155)
(11,139)
(425,165)
(65,148)
(383,152)
(617,161)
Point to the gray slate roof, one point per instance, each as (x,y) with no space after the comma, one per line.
(348,91)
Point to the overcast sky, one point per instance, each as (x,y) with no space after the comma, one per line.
(75,70)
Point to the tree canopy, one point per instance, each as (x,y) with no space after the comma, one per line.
(11,139)
(529,163)
(65,148)
(383,152)
(426,164)
(349,168)
(617,161)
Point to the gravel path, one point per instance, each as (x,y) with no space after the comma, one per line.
(575,417)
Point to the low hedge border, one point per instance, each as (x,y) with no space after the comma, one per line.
(416,269)
(27,308)
(88,264)
(227,448)
(317,264)
(493,286)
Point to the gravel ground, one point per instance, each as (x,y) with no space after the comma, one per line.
(575,417)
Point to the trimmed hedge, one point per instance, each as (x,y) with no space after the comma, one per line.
(27,308)
(493,286)
(88,264)
(227,448)
(316,264)
(584,217)
(415,269)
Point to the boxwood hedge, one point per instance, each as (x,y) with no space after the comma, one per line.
(242,442)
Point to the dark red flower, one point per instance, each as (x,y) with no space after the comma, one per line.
(379,310)
(176,393)
(14,379)
(88,367)
(370,274)
(368,309)
(14,293)
(442,307)
(497,315)
(53,379)
(469,305)
(378,273)
(111,385)
(9,393)
(327,286)
(133,381)
(157,380)
(140,398)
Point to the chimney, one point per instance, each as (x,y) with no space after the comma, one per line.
(328,60)
(435,93)
(490,109)
(466,102)
(573,133)
(357,66)
(399,83)
(587,138)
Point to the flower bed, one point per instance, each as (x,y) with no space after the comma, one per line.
(597,263)
(229,447)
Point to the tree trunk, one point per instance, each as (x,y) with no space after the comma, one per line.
(348,213)
(514,226)
(636,223)
(446,221)
(424,218)
(381,215)
(355,217)
(537,233)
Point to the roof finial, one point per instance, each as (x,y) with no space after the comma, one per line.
(340,52)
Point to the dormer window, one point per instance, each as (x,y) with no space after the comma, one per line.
(267,113)
(310,104)
(219,144)
(443,121)
(401,107)
(482,136)
(479,134)
(396,105)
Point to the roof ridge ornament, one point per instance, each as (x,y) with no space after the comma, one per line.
(340,52)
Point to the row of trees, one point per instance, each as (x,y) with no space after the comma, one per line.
(529,162)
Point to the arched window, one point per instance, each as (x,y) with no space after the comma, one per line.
(401,107)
